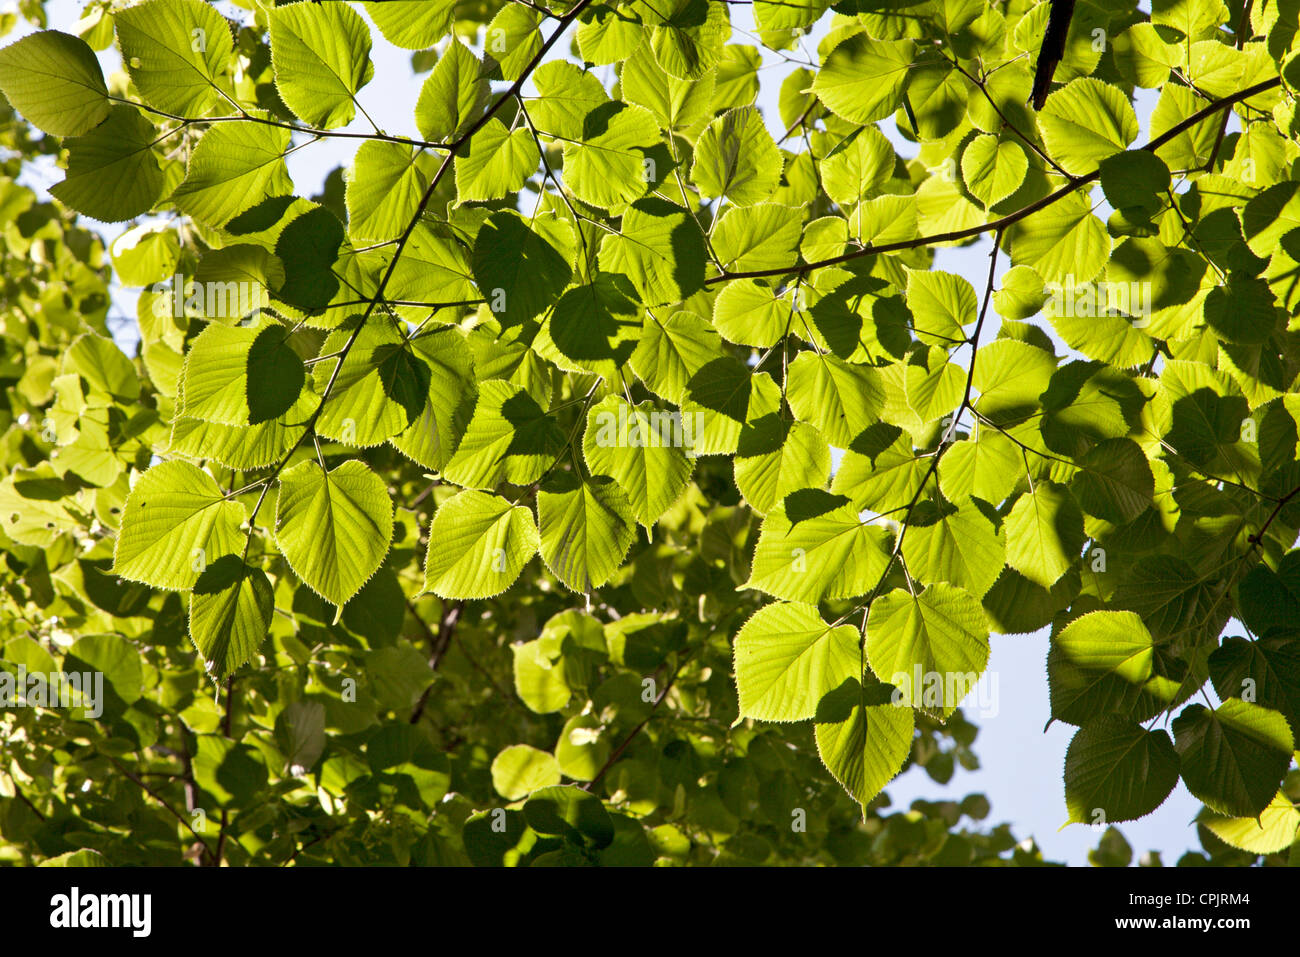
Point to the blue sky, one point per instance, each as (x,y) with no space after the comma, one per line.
(1021,763)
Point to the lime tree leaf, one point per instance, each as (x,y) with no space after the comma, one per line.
(1044,534)
(55,82)
(234,167)
(509,439)
(962,548)
(1064,243)
(381,387)
(1234,757)
(432,268)
(333,527)
(113,174)
(863,79)
(736,157)
(1114,481)
(519,268)
(762,236)
(678,105)
(176,522)
(513,40)
(858,167)
(568,94)
(432,435)
(1267,669)
(496,162)
(787,658)
(986,466)
(1117,771)
(1136,178)
(453,95)
(586,529)
(670,352)
(862,738)
(880,470)
(241,375)
(478,545)
(1010,377)
(384,188)
(688,36)
(1098,663)
(177,52)
(813,546)
(660,248)
(1271,831)
(412,24)
(519,770)
(594,327)
(321,55)
(941,304)
(932,646)
(838,398)
(539,678)
(641,448)
(610,164)
(230,612)
(1086,121)
(993,169)
(777,457)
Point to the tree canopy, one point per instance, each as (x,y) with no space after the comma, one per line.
(599,471)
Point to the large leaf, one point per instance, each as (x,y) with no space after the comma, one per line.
(321,54)
(586,529)
(55,82)
(333,527)
(1117,771)
(1234,757)
(177,52)
(478,545)
(787,658)
(863,738)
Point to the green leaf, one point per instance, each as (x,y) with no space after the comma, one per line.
(453,95)
(1086,121)
(1099,663)
(519,770)
(838,398)
(1234,757)
(431,437)
(671,352)
(567,95)
(813,546)
(586,529)
(1064,243)
(679,105)
(333,527)
(113,174)
(941,304)
(763,236)
(858,167)
(230,612)
(1137,178)
(384,189)
(787,658)
(1117,771)
(661,249)
(496,162)
(175,524)
(776,457)
(736,157)
(509,439)
(962,548)
(241,375)
(1044,534)
(571,813)
(177,52)
(513,40)
(863,79)
(1272,831)
(412,24)
(380,387)
(594,327)
(642,449)
(234,167)
(1114,481)
(55,82)
(478,545)
(863,739)
(993,169)
(520,268)
(321,55)
(613,164)
(932,646)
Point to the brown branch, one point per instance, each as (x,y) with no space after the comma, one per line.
(1010,219)
(439,642)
